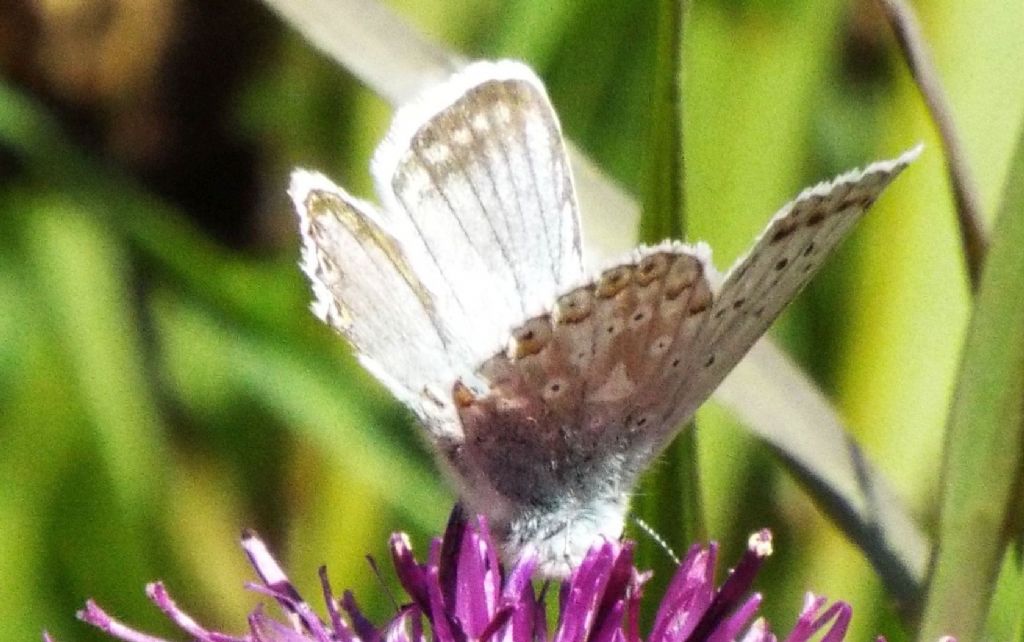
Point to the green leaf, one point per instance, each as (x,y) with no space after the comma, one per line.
(985,435)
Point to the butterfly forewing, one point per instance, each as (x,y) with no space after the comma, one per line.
(785,257)
(485,182)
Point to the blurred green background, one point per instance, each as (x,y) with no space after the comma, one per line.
(163,385)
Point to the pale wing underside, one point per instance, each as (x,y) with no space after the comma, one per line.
(478,168)
(367,288)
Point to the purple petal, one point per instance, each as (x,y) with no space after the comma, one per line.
(407,620)
(300,613)
(410,573)
(518,581)
(619,576)
(610,625)
(502,616)
(446,629)
(517,595)
(842,612)
(266,566)
(265,629)
(808,622)
(732,625)
(631,625)
(522,626)
(739,581)
(488,549)
(157,593)
(579,596)
(364,628)
(689,593)
(446,562)
(474,599)
(94,615)
(587,587)
(417,626)
(338,624)
(759,632)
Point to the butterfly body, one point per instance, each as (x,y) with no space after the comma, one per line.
(544,393)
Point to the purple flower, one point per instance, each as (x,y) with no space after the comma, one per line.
(462,593)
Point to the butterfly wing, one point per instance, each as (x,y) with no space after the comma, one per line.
(787,254)
(368,288)
(479,229)
(478,168)
(577,389)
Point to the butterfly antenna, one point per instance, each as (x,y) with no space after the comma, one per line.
(658,539)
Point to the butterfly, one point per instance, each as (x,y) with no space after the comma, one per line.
(544,391)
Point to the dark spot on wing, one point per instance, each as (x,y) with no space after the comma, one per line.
(785,229)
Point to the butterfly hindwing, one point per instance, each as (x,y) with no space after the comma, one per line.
(581,390)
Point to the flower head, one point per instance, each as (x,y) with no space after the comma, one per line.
(462,593)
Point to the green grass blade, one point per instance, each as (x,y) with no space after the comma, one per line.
(1006,619)
(302,391)
(663,216)
(252,299)
(669,499)
(985,435)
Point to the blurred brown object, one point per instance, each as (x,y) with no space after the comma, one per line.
(148,85)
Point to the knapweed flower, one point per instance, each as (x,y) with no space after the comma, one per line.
(462,593)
